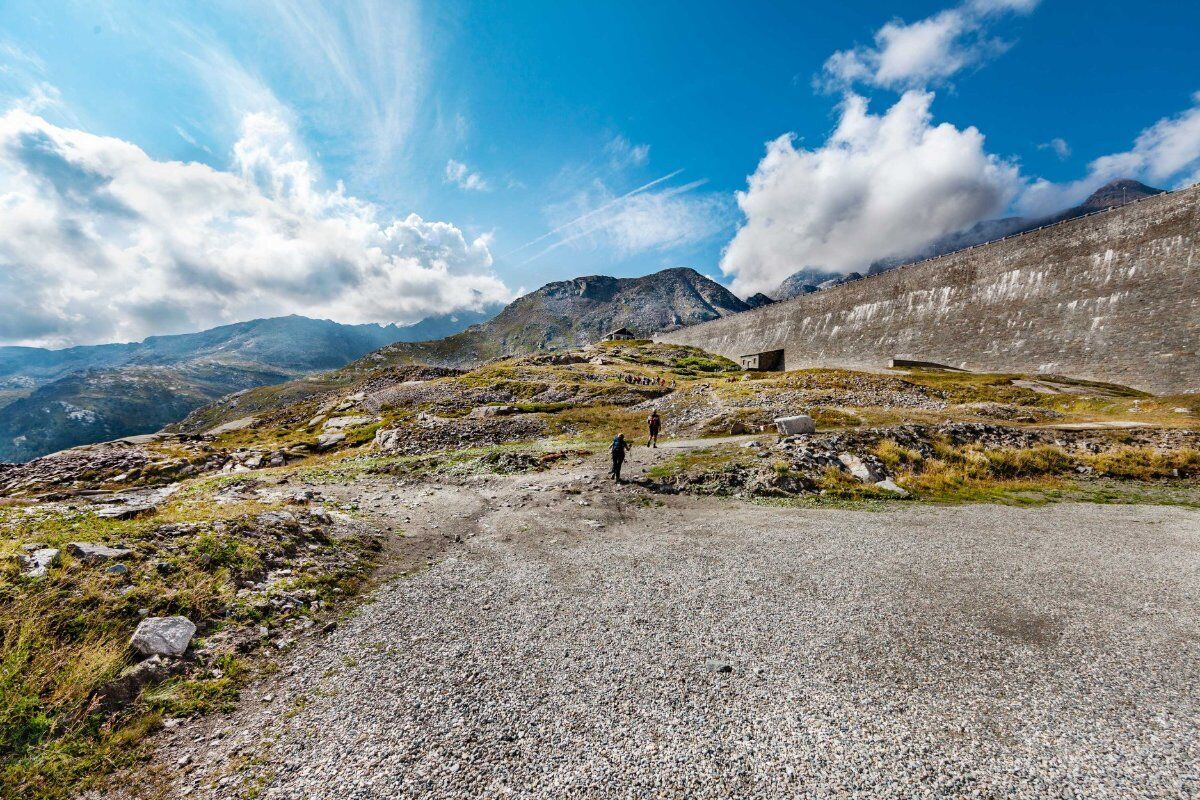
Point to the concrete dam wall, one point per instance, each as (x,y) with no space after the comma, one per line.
(1114,296)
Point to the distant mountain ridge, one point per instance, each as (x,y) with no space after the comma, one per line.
(560,315)
(54,399)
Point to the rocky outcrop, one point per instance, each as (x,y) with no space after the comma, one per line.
(91,553)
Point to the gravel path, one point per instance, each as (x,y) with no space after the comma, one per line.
(592,642)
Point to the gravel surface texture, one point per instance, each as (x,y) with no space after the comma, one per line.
(587,641)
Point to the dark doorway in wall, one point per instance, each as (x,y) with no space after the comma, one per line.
(766,361)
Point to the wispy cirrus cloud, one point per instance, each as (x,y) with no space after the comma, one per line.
(624,153)
(654,216)
(644,220)
(464,178)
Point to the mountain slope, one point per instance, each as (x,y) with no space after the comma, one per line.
(559,315)
(54,399)
(578,312)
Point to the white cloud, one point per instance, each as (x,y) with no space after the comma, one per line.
(461,176)
(100,242)
(1059,146)
(622,152)
(925,52)
(881,185)
(653,217)
(1167,154)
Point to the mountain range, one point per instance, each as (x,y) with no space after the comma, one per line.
(54,399)
(62,398)
(558,316)
(573,313)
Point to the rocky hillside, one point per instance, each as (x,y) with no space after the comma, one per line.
(578,312)
(560,315)
(53,399)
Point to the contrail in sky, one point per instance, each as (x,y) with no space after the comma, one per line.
(595,211)
(687,187)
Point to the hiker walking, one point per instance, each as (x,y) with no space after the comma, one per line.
(619,448)
(653,423)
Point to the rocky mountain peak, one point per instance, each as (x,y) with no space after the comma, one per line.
(1117,193)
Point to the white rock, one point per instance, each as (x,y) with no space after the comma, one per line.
(891,486)
(860,469)
(328,440)
(341,423)
(163,636)
(39,561)
(790,426)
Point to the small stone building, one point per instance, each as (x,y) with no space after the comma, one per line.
(766,361)
(618,335)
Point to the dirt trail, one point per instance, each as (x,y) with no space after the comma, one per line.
(559,636)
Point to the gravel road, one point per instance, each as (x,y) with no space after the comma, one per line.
(586,641)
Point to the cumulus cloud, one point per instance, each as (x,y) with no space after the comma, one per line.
(100,242)
(925,52)
(461,176)
(1165,154)
(880,185)
(652,217)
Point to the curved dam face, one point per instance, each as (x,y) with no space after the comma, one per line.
(1110,297)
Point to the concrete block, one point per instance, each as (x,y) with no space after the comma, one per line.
(799,424)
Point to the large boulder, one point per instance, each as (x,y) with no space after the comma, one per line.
(328,440)
(163,636)
(334,424)
(91,553)
(797,425)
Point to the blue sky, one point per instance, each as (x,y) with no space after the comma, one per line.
(172,166)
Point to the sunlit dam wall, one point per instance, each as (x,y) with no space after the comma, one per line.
(1114,296)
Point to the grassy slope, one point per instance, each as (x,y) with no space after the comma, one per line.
(64,636)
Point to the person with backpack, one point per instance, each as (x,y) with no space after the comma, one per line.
(618,449)
(654,423)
